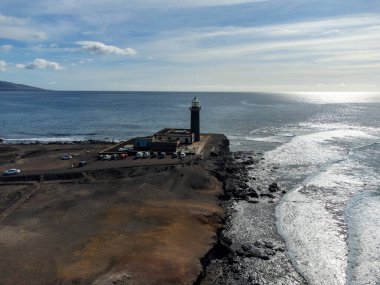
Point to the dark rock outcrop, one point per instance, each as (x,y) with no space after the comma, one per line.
(273,187)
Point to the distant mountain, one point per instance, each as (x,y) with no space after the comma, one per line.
(9,86)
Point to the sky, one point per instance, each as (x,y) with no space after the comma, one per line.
(192,45)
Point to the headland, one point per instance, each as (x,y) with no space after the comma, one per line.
(127,221)
(138,221)
(10,86)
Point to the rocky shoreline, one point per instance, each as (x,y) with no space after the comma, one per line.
(249,248)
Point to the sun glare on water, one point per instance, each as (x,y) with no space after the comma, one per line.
(337,97)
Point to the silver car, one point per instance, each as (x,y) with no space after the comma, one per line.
(11,171)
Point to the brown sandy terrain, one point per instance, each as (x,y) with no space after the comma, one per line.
(113,225)
(46,156)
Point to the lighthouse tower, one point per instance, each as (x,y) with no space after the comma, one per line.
(195,120)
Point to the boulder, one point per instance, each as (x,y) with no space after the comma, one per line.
(252,193)
(273,187)
(269,252)
(280,248)
(246,247)
(269,244)
(258,253)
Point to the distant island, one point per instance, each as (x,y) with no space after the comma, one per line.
(9,86)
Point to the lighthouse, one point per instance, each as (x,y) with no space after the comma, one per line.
(195,119)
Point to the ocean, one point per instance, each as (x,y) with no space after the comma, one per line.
(322,148)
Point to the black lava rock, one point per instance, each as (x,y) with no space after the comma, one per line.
(252,193)
(246,247)
(235,268)
(255,252)
(269,244)
(273,187)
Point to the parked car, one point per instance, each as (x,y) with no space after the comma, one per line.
(174,155)
(162,155)
(114,156)
(123,155)
(182,155)
(82,163)
(154,155)
(146,154)
(139,154)
(99,157)
(106,157)
(66,156)
(11,171)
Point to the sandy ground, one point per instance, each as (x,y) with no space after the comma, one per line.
(115,225)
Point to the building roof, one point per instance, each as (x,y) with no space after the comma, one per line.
(172,131)
(143,138)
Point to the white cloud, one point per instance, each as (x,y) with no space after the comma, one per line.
(3,65)
(40,63)
(5,47)
(7,20)
(103,49)
(316,28)
(19,29)
(355,37)
(120,5)
(190,3)
(316,45)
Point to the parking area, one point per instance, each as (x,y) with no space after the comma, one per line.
(39,159)
(46,158)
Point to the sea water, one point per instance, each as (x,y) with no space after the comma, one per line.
(322,148)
